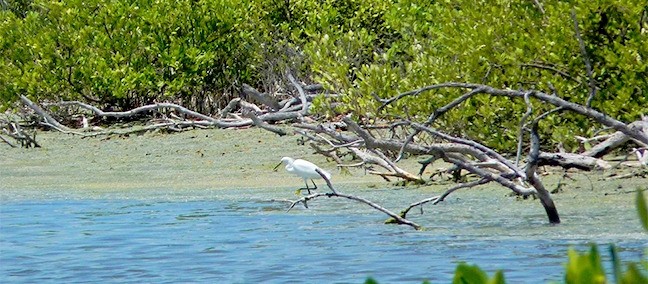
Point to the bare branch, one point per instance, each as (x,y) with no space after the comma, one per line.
(586,59)
(396,218)
(7,142)
(491,176)
(42,113)
(261,97)
(526,115)
(474,144)
(302,95)
(439,198)
(550,68)
(634,132)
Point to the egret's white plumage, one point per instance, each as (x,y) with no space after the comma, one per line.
(304,169)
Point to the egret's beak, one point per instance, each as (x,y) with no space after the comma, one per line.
(277,166)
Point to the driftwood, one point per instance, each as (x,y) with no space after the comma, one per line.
(570,160)
(16,132)
(249,116)
(46,116)
(370,148)
(261,97)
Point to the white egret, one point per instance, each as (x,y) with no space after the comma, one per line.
(304,169)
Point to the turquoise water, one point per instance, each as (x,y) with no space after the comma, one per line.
(241,236)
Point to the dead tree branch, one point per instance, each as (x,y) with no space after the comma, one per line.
(436,199)
(633,131)
(7,142)
(586,59)
(147,108)
(16,132)
(261,97)
(397,219)
(302,94)
(46,116)
(534,180)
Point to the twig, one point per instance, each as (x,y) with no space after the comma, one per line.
(537,3)
(586,59)
(439,198)
(526,115)
(545,67)
(7,141)
(302,95)
(48,118)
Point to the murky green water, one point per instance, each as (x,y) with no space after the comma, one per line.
(190,208)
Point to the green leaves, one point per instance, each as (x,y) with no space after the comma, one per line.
(505,44)
(584,268)
(642,209)
(472,274)
(130,51)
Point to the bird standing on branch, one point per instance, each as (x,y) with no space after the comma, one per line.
(304,169)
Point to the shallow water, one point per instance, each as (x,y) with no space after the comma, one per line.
(241,236)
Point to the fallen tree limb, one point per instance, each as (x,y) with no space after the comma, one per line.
(615,140)
(203,120)
(48,118)
(249,113)
(16,132)
(397,219)
(439,198)
(146,108)
(302,94)
(7,142)
(570,160)
(261,97)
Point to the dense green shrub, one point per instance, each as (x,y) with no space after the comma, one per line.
(125,53)
(129,52)
(506,44)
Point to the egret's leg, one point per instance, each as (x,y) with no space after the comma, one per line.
(306,188)
(315,186)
